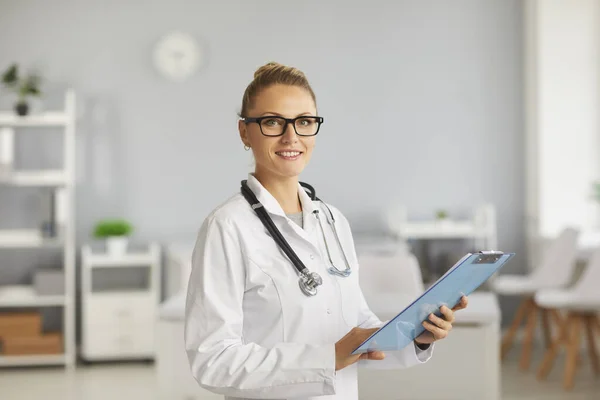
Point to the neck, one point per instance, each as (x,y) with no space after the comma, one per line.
(283,189)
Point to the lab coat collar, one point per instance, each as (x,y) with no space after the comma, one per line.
(272,205)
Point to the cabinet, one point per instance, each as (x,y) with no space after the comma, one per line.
(119,323)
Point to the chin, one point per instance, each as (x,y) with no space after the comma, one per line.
(289,171)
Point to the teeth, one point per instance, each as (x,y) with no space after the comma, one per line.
(289,153)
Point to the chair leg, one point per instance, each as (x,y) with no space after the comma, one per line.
(550,354)
(572,352)
(589,326)
(509,336)
(546,327)
(528,340)
(558,320)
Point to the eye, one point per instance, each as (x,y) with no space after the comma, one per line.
(272,122)
(305,121)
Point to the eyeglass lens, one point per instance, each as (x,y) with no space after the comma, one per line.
(275,126)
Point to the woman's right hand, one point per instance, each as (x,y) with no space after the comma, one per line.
(346,345)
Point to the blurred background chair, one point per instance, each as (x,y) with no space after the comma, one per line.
(581,303)
(555,271)
(390,280)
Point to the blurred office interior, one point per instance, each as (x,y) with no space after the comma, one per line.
(450,127)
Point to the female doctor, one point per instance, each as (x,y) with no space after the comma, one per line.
(259,325)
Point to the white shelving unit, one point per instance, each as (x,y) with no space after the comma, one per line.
(120,323)
(25,296)
(481,228)
(63,182)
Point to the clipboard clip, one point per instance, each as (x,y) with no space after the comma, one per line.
(488,257)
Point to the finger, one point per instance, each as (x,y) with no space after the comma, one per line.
(464,302)
(440,323)
(437,333)
(374,355)
(447,313)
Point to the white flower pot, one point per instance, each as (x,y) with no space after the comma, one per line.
(116,245)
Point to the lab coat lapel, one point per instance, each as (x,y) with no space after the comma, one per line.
(265,198)
(308,208)
(273,208)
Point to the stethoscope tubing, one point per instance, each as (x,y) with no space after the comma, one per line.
(270,225)
(308,281)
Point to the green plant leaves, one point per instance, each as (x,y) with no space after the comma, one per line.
(31,86)
(114,227)
(27,86)
(11,76)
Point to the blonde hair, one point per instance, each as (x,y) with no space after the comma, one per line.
(270,74)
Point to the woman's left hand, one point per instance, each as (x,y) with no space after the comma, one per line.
(438,328)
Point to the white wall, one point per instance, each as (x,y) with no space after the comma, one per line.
(422,103)
(564,43)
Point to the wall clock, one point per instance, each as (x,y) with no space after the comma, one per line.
(177,56)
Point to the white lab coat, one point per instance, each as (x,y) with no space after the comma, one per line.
(250,332)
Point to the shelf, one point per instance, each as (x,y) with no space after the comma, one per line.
(50,118)
(127,260)
(25,296)
(435,230)
(26,238)
(35,178)
(13,361)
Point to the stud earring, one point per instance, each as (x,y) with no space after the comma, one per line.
(246,147)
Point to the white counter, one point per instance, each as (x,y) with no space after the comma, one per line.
(464,366)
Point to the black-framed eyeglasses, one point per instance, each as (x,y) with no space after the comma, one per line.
(270,125)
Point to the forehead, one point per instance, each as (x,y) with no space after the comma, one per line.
(285,100)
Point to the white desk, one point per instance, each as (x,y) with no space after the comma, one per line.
(471,350)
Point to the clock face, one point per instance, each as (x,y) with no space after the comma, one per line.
(177,56)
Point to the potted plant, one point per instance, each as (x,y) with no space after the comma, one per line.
(23,86)
(116,233)
(441,217)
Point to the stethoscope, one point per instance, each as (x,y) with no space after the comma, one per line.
(308,281)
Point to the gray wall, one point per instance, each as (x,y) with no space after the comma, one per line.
(422,101)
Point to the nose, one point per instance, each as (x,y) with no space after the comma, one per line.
(289,135)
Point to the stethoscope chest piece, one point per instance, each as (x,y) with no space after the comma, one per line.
(308,282)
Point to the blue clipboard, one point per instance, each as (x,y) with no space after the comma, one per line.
(463,278)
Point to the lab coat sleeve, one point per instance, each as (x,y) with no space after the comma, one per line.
(407,357)
(220,360)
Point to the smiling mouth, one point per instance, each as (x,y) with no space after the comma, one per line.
(289,155)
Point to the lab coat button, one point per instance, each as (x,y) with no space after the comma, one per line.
(312,256)
(328,311)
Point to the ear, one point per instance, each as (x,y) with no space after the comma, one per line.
(243,133)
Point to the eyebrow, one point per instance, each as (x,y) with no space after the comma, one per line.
(280,115)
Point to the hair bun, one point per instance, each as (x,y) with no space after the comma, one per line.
(265,69)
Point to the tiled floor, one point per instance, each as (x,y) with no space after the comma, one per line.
(137,381)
